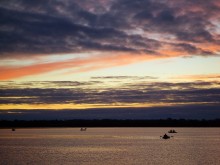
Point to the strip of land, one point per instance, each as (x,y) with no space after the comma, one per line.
(109,123)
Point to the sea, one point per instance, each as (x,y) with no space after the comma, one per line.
(109,146)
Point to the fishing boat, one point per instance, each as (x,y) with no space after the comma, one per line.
(172,131)
(83,129)
(165,136)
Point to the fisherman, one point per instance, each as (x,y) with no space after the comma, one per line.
(165,136)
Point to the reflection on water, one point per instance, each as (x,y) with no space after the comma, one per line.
(110,146)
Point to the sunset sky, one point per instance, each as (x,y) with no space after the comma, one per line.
(109,59)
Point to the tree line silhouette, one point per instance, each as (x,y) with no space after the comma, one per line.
(109,123)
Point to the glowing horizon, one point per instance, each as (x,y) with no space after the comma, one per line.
(115,54)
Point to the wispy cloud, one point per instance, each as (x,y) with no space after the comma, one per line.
(124,77)
(199,77)
(77,65)
(147,28)
(129,94)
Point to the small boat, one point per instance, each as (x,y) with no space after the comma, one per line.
(172,131)
(165,136)
(13,129)
(83,129)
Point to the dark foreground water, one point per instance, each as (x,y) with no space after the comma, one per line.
(115,146)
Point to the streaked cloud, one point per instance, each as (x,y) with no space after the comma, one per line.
(124,77)
(77,65)
(131,94)
(120,31)
(200,77)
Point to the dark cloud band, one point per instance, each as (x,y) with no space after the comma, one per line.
(126,93)
(40,27)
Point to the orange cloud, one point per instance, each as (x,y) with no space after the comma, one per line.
(94,62)
(210,47)
(199,77)
(80,65)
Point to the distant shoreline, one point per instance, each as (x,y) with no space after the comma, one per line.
(108,123)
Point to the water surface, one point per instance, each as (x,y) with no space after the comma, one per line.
(114,146)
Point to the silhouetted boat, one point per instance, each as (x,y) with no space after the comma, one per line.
(165,136)
(172,131)
(13,129)
(83,129)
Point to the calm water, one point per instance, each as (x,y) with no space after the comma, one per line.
(115,146)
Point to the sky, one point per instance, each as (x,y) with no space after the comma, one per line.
(124,59)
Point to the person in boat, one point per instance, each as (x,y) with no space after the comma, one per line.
(172,131)
(165,136)
(83,129)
